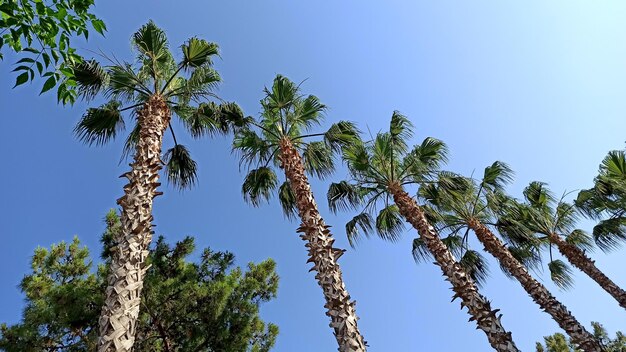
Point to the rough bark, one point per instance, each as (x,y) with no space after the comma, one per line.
(579,259)
(478,306)
(322,254)
(118,318)
(535,289)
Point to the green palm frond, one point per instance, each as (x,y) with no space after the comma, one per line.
(614,165)
(201,83)
(561,274)
(400,130)
(538,195)
(198,52)
(258,185)
(389,224)
(340,135)
(475,266)
(580,239)
(344,196)
(420,252)
(282,95)
(150,41)
(180,168)
(498,175)
(318,159)
(251,147)
(126,85)
(528,255)
(100,125)
(308,113)
(357,158)
(610,234)
(287,200)
(90,77)
(362,222)
(206,119)
(566,216)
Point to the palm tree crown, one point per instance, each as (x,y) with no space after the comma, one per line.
(287,116)
(184,86)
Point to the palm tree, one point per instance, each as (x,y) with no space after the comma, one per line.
(152,88)
(380,169)
(277,139)
(554,221)
(466,206)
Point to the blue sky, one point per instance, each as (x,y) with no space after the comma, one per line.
(539,85)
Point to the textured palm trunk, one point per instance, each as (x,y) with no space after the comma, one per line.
(579,259)
(535,289)
(324,257)
(462,285)
(118,318)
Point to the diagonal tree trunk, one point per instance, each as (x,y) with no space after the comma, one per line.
(322,254)
(579,259)
(535,289)
(118,318)
(462,285)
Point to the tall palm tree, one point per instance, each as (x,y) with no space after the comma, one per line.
(554,222)
(467,207)
(278,139)
(380,170)
(152,88)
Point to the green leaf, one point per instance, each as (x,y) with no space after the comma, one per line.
(198,52)
(363,222)
(181,169)
(49,84)
(21,79)
(100,125)
(389,224)
(258,185)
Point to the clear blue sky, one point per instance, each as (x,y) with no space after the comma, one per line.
(540,85)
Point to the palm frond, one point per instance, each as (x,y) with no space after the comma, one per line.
(198,52)
(614,164)
(318,160)
(357,158)
(610,234)
(340,135)
(343,196)
(206,119)
(475,266)
(100,125)
(258,185)
(180,168)
(307,113)
(580,239)
(538,195)
(151,41)
(389,224)
(251,147)
(282,95)
(561,274)
(528,256)
(400,130)
(420,251)
(455,244)
(362,221)
(126,85)
(200,85)
(287,200)
(498,175)
(90,77)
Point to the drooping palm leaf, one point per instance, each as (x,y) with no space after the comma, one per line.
(100,125)
(258,185)
(180,168)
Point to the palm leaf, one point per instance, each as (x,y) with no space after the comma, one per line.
(420,251)
(287,200)
(251,147)
(90,78)
(561,274)
(198,52)
(180,168)
(151,41)
(614,165)
(389,224)
(497,175)
(401,130)
(258,185)
(100,125)
(318,160)
(340,135)
(610,234)
(475,266)
(343,196)
(580,239)
(362,221)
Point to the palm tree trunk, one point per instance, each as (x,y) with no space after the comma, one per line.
(535,289)
(118,318)
(579,259)
(462,285)
(322,254)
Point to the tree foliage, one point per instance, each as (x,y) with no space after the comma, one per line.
(40,32)
(204,305)
(559,343)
